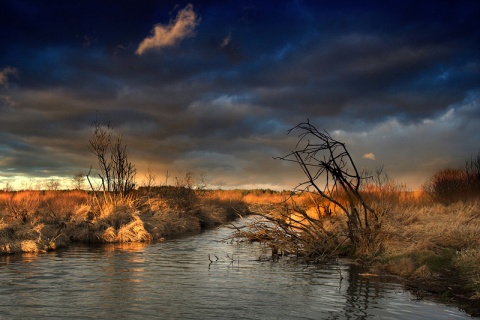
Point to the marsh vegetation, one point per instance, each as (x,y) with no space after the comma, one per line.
(34,221)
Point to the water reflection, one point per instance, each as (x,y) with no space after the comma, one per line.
(176,280)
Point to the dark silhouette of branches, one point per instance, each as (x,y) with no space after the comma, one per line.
(332,174)
(472,172)
(117,173)
(451,185)
(78,180)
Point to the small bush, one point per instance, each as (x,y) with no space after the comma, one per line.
(447,186)
(452,185)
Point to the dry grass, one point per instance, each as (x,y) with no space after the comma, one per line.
(35,221)
(426,242)
(431,241)
(32,221)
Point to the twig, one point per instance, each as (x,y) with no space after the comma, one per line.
(340,273)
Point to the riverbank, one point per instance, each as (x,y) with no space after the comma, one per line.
(433,248)
(40,221)
(436,249)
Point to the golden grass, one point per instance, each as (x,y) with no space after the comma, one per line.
(36,221)
(428,241)
(420,240)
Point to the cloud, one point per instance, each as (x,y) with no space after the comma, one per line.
(166,36)
(5,73)
(370,156)
(398,97)
(226,41)
(6,102)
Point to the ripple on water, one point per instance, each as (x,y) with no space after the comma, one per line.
(175,280)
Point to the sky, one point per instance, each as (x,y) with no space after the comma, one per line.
(212,87)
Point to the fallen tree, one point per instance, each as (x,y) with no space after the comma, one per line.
(339,221)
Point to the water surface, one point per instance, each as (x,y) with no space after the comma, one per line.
(176,280)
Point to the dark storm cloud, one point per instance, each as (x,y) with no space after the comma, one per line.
(232,78)
(362,67)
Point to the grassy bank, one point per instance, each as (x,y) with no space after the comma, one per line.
(434,248)
(36,221)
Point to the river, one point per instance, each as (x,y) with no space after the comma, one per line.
(176,280)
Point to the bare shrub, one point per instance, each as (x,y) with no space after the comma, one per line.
(447,186)
(381,192)
(78,180)
(117,173)
(150,179)
(452,185)
(334,186)
(53,184)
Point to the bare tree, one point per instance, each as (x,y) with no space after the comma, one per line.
(100,145)
(167,176)
(8,187)
(150,178)
(78,179)
(334,184)
(117,173)
(123,171)
(53,184)
(381,191)
(185,182)
(472,172)
(332,173)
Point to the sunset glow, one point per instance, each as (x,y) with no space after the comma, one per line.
(212,87)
